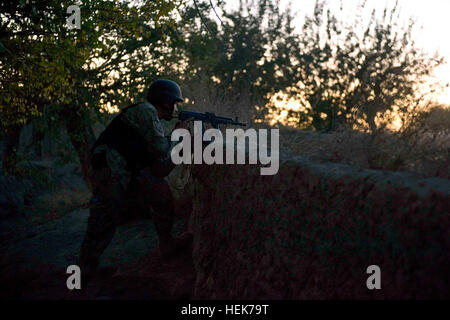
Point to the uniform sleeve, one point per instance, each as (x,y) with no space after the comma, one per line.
(144,119)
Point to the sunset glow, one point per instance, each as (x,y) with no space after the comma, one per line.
(431,21)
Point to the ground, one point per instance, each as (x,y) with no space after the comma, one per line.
(39,244)
(35,264)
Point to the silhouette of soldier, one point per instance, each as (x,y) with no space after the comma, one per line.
(132,155)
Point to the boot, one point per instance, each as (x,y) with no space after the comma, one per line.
(169,246)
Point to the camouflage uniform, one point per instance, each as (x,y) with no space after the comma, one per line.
(114,183)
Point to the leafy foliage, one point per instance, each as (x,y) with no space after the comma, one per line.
(47,68)
(348,72)
(344,73)
(239,55)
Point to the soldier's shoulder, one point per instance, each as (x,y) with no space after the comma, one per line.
(145,107)
(144,115)
(143,110)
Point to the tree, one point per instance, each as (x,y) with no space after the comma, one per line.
(74,73)
(352,72)
(243,54)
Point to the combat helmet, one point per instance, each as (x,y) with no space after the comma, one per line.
(164,91)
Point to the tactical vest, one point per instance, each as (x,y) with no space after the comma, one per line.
(127,141)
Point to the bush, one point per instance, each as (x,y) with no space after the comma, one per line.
(424,152)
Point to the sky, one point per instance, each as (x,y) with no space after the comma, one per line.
(433,16)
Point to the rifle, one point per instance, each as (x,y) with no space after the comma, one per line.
(209,117)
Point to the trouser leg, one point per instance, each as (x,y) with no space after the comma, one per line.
(158,196)
(100,231)
(163,206)
(104,211)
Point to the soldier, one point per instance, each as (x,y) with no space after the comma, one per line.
(132,155)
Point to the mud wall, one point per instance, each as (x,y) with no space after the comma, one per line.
(311,231)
